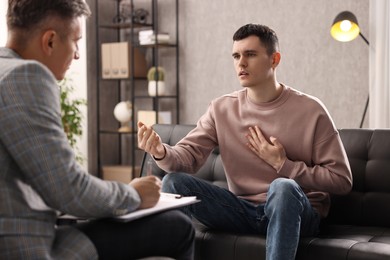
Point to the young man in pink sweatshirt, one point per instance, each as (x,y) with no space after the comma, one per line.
(281,152)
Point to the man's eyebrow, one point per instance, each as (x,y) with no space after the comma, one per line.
(250,51)
(245,52)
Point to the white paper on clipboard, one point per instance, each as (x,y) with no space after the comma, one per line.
(167,201)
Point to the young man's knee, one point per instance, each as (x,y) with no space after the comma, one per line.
(172,181)
(283,184)
(283,188)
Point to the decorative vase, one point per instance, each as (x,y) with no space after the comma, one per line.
(122,113)
(156,85)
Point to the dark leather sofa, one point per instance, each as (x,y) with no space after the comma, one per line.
(358,226)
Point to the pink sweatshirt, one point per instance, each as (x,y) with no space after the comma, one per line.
(316,158)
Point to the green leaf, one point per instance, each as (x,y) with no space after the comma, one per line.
(71,115)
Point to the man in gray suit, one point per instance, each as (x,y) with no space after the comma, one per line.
(39,175)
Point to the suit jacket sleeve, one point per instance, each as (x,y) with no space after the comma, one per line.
(32,132)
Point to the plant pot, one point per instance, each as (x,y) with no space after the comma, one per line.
(156,85)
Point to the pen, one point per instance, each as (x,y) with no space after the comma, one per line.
(171,195)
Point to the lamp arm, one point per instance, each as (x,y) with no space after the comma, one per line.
(364,38)
(365,111)
(368,97)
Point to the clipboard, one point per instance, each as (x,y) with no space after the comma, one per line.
(167,201)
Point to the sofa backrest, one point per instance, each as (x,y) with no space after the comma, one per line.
(368,204)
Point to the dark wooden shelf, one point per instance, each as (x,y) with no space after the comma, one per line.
(107,145)
(126,25)
(116,132)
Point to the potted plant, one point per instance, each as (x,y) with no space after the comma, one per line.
(156,84)
(71,115)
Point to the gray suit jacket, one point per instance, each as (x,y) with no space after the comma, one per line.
(38,171)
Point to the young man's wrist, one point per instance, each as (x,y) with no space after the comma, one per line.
(162,157)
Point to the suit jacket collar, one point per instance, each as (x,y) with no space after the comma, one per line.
(8,53)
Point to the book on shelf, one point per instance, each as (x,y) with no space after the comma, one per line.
(145,33)
(149,37)
(148,117)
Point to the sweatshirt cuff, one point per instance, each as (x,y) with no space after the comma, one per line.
(286,168)
(165,154)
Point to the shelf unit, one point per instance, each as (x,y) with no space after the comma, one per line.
(110,147)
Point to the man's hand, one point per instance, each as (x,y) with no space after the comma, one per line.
(271,152)
(148,189)
(150,141)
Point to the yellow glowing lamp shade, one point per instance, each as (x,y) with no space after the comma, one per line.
(345,27)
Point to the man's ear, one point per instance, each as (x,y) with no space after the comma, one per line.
(48,41)
(275,59)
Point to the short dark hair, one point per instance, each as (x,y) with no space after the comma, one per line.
(27,14)
(266,35)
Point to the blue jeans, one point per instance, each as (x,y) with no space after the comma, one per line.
(285,216)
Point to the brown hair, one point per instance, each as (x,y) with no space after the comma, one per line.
(266,35)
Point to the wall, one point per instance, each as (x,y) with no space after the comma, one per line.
(3,27)
(312,61)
